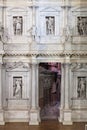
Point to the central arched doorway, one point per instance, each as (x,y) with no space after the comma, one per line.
(49,90)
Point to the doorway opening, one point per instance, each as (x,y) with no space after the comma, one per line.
(49,90)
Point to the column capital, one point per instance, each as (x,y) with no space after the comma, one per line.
(66,65)
(34,64)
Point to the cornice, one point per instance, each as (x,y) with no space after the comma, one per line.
(49,54)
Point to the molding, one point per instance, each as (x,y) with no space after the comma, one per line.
(47,54)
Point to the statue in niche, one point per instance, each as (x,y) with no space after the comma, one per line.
(81,90)
(50,25)
(17,87)
(17,25)
(82,25)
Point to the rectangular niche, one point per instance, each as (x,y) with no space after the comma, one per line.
(81,87)
(82,25)
(17,87)
(50,25)
(17,25)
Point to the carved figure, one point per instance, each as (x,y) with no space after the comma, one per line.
(49,25)
(33,32)
(81,88)
(17,25)
(3,34)
(82,25)
(17,88)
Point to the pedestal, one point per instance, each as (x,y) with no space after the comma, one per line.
(67,117)
(2,122)
(34,118)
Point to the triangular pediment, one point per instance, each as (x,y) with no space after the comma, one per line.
(16,9)
(79,9)
(50,9)
(81,69)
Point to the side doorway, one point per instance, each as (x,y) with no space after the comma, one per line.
(49,90)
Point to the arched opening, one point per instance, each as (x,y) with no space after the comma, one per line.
(49,90)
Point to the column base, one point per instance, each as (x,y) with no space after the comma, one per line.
(67,117)
(34,118)
(2,122)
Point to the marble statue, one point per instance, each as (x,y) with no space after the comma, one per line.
(33,32)
(82,25)
(81,90)
(50,25)
(17,25)
(17,88)
(3,34)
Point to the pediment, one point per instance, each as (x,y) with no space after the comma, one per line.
(81,69)
(79,9)
(50,9)
(16,9)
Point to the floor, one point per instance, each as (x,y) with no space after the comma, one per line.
(45,125)
(50,111)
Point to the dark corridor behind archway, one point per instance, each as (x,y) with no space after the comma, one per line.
(49,90)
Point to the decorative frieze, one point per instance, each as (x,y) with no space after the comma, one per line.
(47,54)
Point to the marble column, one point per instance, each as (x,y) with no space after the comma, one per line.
(37,88)
(62,93)
(67,116)
(34,110)
(2,122)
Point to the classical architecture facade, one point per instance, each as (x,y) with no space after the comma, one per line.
(42,31)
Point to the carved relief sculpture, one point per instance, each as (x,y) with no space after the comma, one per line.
(17,87)
(17,25)
(82,25)
(81,90)
(50,25)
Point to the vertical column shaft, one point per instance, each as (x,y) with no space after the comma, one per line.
(67,86)
(33,102)
(0,87)
(62,86)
